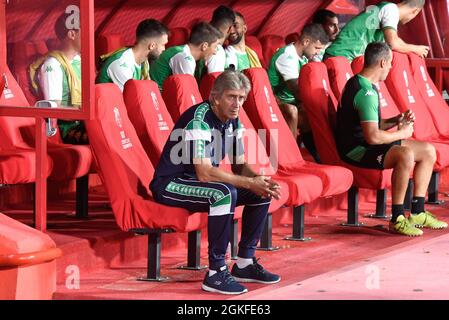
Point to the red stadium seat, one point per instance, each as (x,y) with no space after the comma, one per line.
(69,161)
(254,43)
(207,82)
(177,37)
(146,109)
(22,55)
(340,72)
(126,172)
(402,86)
(292,37)
(108,43)
(321,107)
(180,92)
(19,166)
(438,108)
(262,108)
(271,44)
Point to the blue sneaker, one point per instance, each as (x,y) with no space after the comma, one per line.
(254,273)
(222,282)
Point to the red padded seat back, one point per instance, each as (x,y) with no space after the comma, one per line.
(320,105)
(292,37)
(180,92)
(438,108)
(264,112)
(178,36)
(270,44)
(340,72)
(22,55)
(108,43)
(403,88)
(357,64)
(14,131)
(207,83)
(125,169)
(149,116)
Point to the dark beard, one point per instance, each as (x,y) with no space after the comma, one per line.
(152,57)
(236,41)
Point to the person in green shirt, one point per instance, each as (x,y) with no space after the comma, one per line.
(237,52)
(283,73)
(132,63)
(59,76)
(377,23)
(203,42)
(363,141)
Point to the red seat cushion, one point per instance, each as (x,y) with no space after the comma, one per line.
(180,92)
(126,170)
(19,166)
(320,106)
(262,108)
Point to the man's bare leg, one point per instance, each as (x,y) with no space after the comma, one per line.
(401,160)
(290,114)
(425,157)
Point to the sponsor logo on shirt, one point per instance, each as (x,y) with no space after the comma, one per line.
(48,69)
(369,93)
(379,158)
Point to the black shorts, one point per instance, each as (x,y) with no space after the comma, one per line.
(374,156)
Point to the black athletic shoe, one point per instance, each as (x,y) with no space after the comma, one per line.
(222,282)
(254,273)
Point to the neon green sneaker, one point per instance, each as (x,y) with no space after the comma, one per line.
(426,220)
(403,226)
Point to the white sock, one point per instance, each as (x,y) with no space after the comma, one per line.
(244,262)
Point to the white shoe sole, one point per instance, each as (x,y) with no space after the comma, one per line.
(254,281)
(209,289)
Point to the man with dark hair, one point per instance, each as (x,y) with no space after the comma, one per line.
(188,176)
(284,71)
(223,19)
(57,75)
(363,140)
(132,63)
(377,23)
(203,42)
(329,22)
(238,53)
